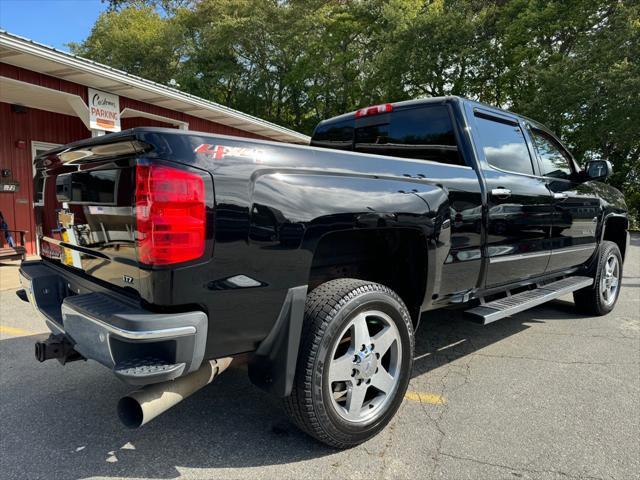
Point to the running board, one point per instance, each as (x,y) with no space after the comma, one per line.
(512,304)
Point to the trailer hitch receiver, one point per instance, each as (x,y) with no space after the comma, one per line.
(56,346)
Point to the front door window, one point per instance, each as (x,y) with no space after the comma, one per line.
(554,161)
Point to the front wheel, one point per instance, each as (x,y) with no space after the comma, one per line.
(601,297)
(354,364)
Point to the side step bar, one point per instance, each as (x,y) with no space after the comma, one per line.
(512,304)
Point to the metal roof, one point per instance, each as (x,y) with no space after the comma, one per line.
(30,55)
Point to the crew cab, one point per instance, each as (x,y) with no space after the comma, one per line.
(167,254)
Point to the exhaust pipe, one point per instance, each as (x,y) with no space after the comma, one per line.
(142,406)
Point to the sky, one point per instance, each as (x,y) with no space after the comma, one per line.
(52,22)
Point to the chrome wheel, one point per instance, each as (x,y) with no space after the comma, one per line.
(610,280)
(365,366)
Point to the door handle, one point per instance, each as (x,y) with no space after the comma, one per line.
(560,196)
(501,192)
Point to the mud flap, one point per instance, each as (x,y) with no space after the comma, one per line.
(273,366)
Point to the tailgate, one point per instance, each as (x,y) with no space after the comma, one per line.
(126,212)
(86,214)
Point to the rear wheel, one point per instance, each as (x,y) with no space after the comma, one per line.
(601,297)
(354,363)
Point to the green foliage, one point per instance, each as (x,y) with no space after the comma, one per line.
(137,40)
(570,64)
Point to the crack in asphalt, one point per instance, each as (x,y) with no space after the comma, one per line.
(465,370)
(390,432)
(608,337)
(446,390)
(559,362)
(521,469)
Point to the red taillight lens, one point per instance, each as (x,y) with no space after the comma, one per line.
(170,215)
(374,110)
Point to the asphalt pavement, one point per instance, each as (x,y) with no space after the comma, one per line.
(545,394)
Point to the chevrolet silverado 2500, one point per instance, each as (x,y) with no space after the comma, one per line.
(166,254)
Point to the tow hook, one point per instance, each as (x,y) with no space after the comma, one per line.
(56,346)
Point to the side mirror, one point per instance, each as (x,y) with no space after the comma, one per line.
(598,169)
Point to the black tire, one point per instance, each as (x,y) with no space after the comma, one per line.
(591,300)
(328,310)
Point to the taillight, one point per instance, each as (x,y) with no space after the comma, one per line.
(170,215)
(374,110)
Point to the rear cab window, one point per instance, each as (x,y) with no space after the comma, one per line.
(424,132)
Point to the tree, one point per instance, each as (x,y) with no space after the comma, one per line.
(576,69)
(169,6)
(570,64)
(137,40)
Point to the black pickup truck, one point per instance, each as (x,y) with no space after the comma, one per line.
(167,254)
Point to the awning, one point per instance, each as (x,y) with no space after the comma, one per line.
(27,54)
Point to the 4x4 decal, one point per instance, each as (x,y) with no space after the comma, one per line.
(218,152)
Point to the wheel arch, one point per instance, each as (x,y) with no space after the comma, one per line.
(615,229)
(394,257)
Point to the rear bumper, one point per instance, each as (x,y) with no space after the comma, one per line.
(139,346)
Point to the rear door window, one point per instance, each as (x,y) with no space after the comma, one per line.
(424,133)
(504,145)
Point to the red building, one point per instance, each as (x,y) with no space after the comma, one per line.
(45,101)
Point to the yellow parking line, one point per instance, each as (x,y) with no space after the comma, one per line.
(424,397)
(13,330)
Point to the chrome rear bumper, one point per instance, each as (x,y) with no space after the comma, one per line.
(140,346)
